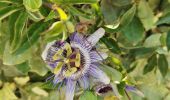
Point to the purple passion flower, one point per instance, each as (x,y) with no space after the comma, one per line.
(75,62)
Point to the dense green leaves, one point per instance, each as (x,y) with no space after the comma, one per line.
(5,12)
(19,30)
(32,36)
(137,42)
(163,64)
(151,63)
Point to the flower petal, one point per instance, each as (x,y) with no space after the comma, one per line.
(58,78)
(97,56)
(99,74)
(84,82)
(94,38)
(134,90)
(45,52)
(70,88)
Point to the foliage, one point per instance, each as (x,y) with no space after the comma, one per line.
(137,41)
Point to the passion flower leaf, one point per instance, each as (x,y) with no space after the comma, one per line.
(146,14)
(134,35)
(152,62)
(164,19)
(163,64)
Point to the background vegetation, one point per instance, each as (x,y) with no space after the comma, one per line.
(137,40)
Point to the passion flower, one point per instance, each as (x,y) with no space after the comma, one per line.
(75,61)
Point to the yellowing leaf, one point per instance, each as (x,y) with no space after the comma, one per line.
(6,93)
(63,15)
(39,91)
(21,80)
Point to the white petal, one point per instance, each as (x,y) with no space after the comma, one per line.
(84,82)
(97,56)
(44,54)
(94,38)
(99,74)
(70,88)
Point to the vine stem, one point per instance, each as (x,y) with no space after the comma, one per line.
(127,95)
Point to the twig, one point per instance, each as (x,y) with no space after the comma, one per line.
(127,95)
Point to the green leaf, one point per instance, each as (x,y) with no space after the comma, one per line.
(134,35)
(23,67)
(152,62)
(51,15)
(153,41)
(142,51)
(38,66)
(113,74)
(164,19)
(111,45)
(125,19)
(121,87)
(18,30)
(5,12)
(168,40)
(11,1)
(163,64)
(55,29)
(32,5)
(11,59)
(77,12)
(32,36)
(146,14)
(110,12)
(74,1)
(35,16)
(87,95)
(12,20)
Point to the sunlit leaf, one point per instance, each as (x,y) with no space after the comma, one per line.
(145,14)
(32,5)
